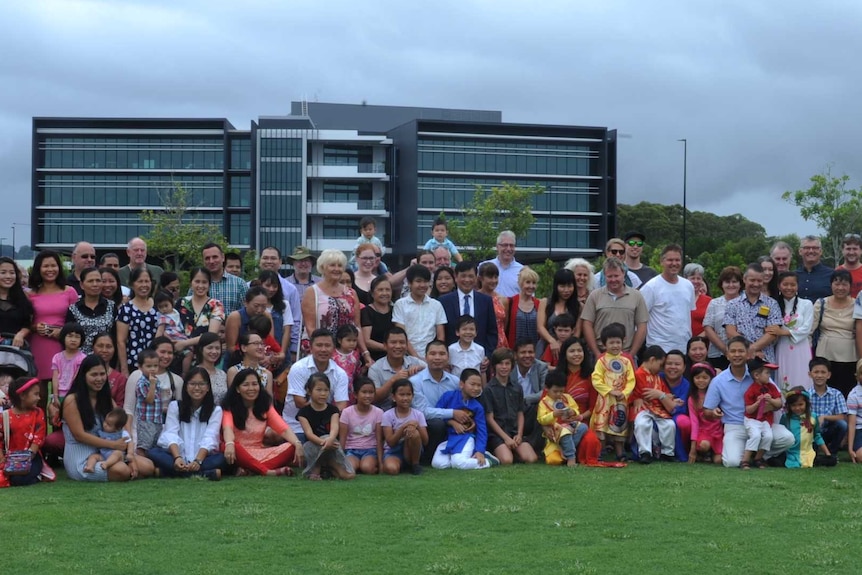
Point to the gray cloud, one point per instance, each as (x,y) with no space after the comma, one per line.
(766,93)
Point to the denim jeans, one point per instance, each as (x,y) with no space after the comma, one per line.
(833,433)
(569,443)
(163,459)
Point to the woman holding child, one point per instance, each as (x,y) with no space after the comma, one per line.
(84,409)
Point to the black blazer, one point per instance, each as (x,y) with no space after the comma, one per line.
(486,320)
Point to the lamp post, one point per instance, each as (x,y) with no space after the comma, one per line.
(684,194)
(2,246)
(14,247)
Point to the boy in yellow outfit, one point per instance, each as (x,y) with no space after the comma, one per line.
(614,380)
(556,414)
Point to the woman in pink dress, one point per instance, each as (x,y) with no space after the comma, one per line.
(51,299)
(489,277)
(247,413)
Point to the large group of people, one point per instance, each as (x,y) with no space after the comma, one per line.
(361,369)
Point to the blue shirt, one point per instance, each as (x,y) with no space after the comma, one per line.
(455,441)
(815,284)
(428,391)
(727,392)
(680,391)
(830,403)
(751,322)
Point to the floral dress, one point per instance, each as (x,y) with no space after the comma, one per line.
(334,312)
(142,330)
(500,314)
(195,323)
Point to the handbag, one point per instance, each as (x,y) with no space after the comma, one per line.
(17,462)
(815,338)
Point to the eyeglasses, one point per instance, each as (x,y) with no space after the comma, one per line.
(257,343)
(617,252)
(368,258)
(635,243)
(811,248)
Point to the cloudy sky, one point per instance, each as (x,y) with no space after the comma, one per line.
(767,93)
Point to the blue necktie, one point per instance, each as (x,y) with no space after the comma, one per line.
(466,310)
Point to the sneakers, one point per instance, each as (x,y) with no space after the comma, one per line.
(645,458)
(416,470)
(213,475)
(492,459)
(668,458)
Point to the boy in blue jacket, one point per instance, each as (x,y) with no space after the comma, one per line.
(464,447)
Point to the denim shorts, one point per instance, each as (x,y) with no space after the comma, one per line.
(360,453)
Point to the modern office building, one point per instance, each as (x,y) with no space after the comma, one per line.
(307,178)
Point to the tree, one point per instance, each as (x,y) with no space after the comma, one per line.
(835,208)
(177,235)
(507,207)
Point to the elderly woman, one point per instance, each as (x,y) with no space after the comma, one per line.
(329,304)
(189,442)
(84,409)
(585,280)
(94,312)
(694,273)
(524,310)
(377,317)
(834,332)
(730,282)
(137,320)
(16,311)
(247,413)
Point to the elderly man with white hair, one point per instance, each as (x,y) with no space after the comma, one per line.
(506,263)
(137,252)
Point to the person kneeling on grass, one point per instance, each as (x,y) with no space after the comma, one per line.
(189,443)
(464,447)
(405,431)
(806,431)
(247,413)
(652,404)
(111,430)
(320,421)
(558,416)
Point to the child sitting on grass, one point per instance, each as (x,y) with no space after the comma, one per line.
(112,430)
(707,435)
(761,399)
(320,421)
(359,429)
(504,412)
(614,380)
(806,431)
(651,405)
(828,404)
(464,447)
(405,431)
(558,416)
(854,417)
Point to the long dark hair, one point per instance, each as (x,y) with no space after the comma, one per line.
(17,297)
(233,401)
(277,300)
(772,286)
(104,404)
(118,293)
(586,365)
(780,298)
(36,280)
(208,404)
(206,339)
(444,269)
(563,277)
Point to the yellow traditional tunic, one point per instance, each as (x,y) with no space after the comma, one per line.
(612,373)
(552,428)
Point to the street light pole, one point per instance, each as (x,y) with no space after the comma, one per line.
(684,191)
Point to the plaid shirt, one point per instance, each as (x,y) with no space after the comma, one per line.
(144,411)
(831,403)
(230,291)
(749,320)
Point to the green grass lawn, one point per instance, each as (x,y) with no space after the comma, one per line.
(662,518)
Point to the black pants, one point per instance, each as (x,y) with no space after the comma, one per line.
(437,433)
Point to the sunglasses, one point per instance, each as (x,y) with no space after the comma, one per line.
(852,237)
(635,243)
(617,252)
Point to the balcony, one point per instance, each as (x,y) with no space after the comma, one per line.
(347,208)
(319,244)
(372,171)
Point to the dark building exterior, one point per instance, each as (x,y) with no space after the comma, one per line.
(307,179)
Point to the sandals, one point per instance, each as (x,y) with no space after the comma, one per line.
(760,464)
(745,466)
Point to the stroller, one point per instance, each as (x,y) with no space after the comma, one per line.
(15,362)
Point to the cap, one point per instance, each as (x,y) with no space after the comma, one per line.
(633,234)
(300,253)
(757,363)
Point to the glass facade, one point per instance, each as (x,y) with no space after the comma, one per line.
(240,154)
(132,190)
(440,193)
(69,227)
(334,155)
(340,228)
(131,153)
(281,176)
(346,191)
(240,191)
(507,157)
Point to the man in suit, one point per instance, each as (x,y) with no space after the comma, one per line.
(467,301)
(530,374)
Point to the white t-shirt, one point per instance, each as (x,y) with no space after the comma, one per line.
(669,306)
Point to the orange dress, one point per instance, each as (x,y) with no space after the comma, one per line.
(251,438)
(500,313)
